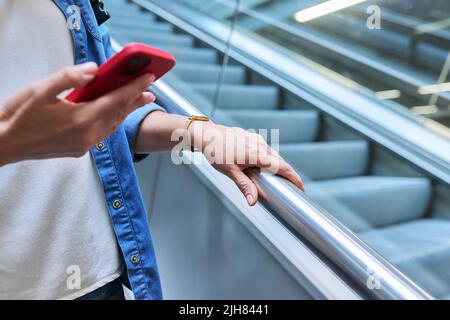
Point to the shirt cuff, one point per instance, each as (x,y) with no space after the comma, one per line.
(132,124)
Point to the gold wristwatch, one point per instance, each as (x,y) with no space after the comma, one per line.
(188,123)
(194,118)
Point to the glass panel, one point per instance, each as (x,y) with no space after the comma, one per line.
(381,198)
(397,49)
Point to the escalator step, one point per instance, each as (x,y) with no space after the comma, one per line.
(419,248)
(372,201)
(241,96)
(294,126)
(156,38)
(201,73)
(191,55)
(327,160)
(124,26)
(121,5)
(182,54)
(127,14)
(123,9)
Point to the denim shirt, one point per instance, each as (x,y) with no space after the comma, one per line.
(114,161)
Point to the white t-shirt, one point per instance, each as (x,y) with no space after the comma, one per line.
(55,230)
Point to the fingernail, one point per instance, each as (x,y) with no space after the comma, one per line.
(151,78)
(88,67)
(151,96)
(249,199)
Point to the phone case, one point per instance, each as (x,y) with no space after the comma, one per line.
(134,60)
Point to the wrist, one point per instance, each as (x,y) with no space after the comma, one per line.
(196,133)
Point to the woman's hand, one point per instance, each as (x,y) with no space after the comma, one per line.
(36,124)
(233,151)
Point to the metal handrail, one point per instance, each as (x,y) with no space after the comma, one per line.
(316,225)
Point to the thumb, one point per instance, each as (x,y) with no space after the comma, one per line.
(247,187)
(67,78)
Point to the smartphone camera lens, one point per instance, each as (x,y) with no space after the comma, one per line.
(135,61)
(136,64)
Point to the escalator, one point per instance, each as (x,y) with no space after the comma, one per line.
(397,208)
(406,54)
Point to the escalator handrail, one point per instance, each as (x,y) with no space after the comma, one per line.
(317,226)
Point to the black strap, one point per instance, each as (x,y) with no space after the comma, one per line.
(100,12)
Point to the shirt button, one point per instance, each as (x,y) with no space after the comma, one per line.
(117,204)
(100,146)
(76,26)
(134,259)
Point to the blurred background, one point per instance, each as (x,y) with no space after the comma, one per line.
(360,93)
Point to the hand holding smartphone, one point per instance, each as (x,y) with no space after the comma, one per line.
(133,61)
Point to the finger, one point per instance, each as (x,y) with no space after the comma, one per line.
(67,78)
(268,161)
(275,164)
(120,101)
(145,98)
(118,118)
(297,180)
(290,174)
(273,152)
(18,99)
(261,194)
(106,126)
(246,185)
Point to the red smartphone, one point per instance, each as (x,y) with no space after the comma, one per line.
(134,60)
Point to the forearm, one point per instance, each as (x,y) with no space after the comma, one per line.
(230,150)
(156,130)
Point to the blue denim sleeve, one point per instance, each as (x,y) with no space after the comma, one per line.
(132,124)
(133,121)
